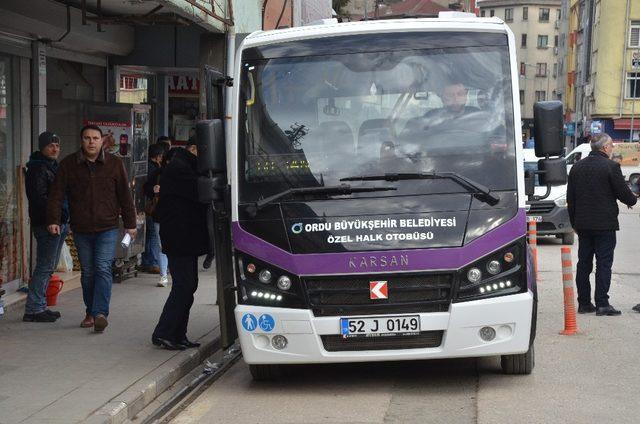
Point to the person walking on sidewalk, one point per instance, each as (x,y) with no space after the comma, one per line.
(595,185)
(41,171)
(183,231)
(151,190)
(98,191)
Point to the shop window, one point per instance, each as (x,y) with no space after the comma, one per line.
(11,229)
(133,89)
(543,15)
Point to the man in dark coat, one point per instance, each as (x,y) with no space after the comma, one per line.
(41,171)
(184,237)
(595,185)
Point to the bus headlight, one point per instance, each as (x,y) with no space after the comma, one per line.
(561,201)
(255,288)
(506,274)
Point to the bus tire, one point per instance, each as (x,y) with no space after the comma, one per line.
(568,238)
(521,364)
(265,372)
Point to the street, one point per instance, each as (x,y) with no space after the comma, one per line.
(589,377)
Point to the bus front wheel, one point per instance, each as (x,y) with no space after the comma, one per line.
(522,363)
(265,372)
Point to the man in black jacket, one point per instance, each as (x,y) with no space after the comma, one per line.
(41,170)
(184,237)
(595,185)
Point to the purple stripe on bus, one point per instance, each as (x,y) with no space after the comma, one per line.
(380,261)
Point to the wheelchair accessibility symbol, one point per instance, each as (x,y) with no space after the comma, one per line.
(249,322)
(267,323)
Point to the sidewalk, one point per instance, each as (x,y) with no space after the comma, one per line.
(61,373)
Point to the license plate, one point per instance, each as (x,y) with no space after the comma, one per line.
(535,218)
(380,326)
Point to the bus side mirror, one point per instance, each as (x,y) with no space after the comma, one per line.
(552,172)
(548,128)
(212,154)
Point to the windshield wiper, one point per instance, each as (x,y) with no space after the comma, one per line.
(342,189)
(481,192)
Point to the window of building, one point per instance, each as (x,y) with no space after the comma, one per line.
(541,69)
(525,13)
(543,16)
(543,41)
(492,13)
(133,89)
(521,97)
(554,95)
(555,70)
(508,15)
(541,96)
(634,34)
(523,68)
(483,13)
(558,14)
(555,41)
(523,42)
(633,85)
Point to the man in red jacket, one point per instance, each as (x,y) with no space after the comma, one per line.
(98,192)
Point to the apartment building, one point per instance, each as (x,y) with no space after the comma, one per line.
(536,26)
(603,81)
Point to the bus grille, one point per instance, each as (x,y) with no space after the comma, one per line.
(426,339)
(349,295)
(541,207)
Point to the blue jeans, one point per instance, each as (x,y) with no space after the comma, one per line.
(47,257)
(151,254)
(601,244)
(163,262)
(96,252)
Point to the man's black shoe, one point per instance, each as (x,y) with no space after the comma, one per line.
(167,344)
(39,317)
(636,308)
(608,311)
(189,344)
(53,313)
(587,308)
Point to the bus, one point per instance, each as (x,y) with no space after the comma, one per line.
(368,194)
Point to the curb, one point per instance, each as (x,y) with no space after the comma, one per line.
(136,397)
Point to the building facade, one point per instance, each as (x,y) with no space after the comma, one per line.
(606,73)
(536,27)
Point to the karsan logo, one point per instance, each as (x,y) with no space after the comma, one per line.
(378,290)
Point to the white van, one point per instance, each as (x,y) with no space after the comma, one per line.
(627,153)
(550,214)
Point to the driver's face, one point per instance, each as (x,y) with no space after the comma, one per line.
(454,97)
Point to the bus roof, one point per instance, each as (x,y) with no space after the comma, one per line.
(474,24)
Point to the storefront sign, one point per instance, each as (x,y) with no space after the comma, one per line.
(183,84)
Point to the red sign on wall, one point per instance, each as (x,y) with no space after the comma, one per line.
(183,84)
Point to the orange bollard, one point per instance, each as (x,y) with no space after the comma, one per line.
(533,242)
(570,323)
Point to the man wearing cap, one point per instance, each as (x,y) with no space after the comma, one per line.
(98,190)
(41,171)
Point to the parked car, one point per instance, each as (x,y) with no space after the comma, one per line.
(628,154)
(550,214)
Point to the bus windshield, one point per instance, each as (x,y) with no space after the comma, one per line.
(309,121)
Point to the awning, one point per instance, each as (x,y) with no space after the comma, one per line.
(625,123)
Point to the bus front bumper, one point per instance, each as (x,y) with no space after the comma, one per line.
(509,316)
